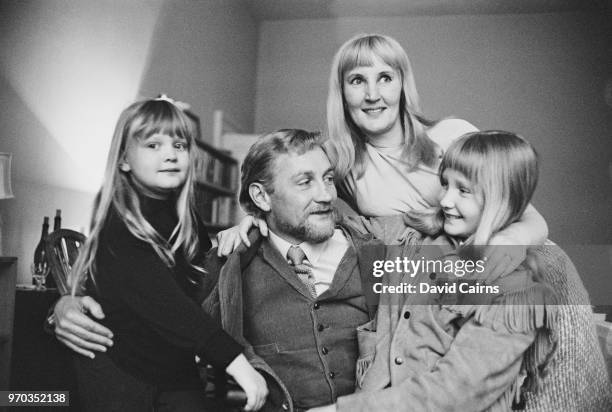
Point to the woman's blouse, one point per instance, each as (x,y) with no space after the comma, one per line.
(389,186)
(152,309)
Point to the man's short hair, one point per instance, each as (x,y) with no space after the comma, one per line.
(258,164)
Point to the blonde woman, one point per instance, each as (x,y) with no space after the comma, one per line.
(387,152)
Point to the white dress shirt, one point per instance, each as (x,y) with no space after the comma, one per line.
(323,258)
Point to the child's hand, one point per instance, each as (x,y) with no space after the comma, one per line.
(504,255)
(251,381)
(228,240)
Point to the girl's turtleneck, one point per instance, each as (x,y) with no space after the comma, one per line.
(157,322)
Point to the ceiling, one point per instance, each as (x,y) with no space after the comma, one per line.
(325,9)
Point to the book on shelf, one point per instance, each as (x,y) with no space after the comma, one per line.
(227,178)
(224,210)
(218,176)
(205,207)
(210,169)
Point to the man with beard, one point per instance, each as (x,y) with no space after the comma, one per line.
(295,298)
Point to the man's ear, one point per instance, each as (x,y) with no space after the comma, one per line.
(259,196)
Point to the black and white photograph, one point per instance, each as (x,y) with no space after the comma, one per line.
(306,205)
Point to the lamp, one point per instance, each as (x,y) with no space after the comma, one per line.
(6,191)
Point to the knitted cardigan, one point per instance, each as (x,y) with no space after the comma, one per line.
(577,379)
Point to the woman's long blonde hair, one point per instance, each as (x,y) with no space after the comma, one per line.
(348,141)
(139,121)
(503,167)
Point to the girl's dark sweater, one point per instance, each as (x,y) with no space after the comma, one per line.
(153,310)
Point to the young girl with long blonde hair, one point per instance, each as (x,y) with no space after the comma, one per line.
(143,262)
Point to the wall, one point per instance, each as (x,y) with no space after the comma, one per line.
(205,52)
(540,75)
(67,69)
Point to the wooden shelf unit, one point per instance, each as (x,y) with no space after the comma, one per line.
(216,187)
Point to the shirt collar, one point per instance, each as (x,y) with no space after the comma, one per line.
(312,251)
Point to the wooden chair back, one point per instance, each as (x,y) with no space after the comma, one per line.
(62,249)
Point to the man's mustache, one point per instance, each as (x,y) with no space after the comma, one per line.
(321,209)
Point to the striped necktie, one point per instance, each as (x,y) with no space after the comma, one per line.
(296,258)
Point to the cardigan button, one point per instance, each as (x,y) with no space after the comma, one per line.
(316,305)
(432,275)
(399,360)
(332,375)
(324,351)
(406,315)
(285,406)
(320,328)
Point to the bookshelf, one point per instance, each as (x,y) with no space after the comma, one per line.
(217,176)
(216,186)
